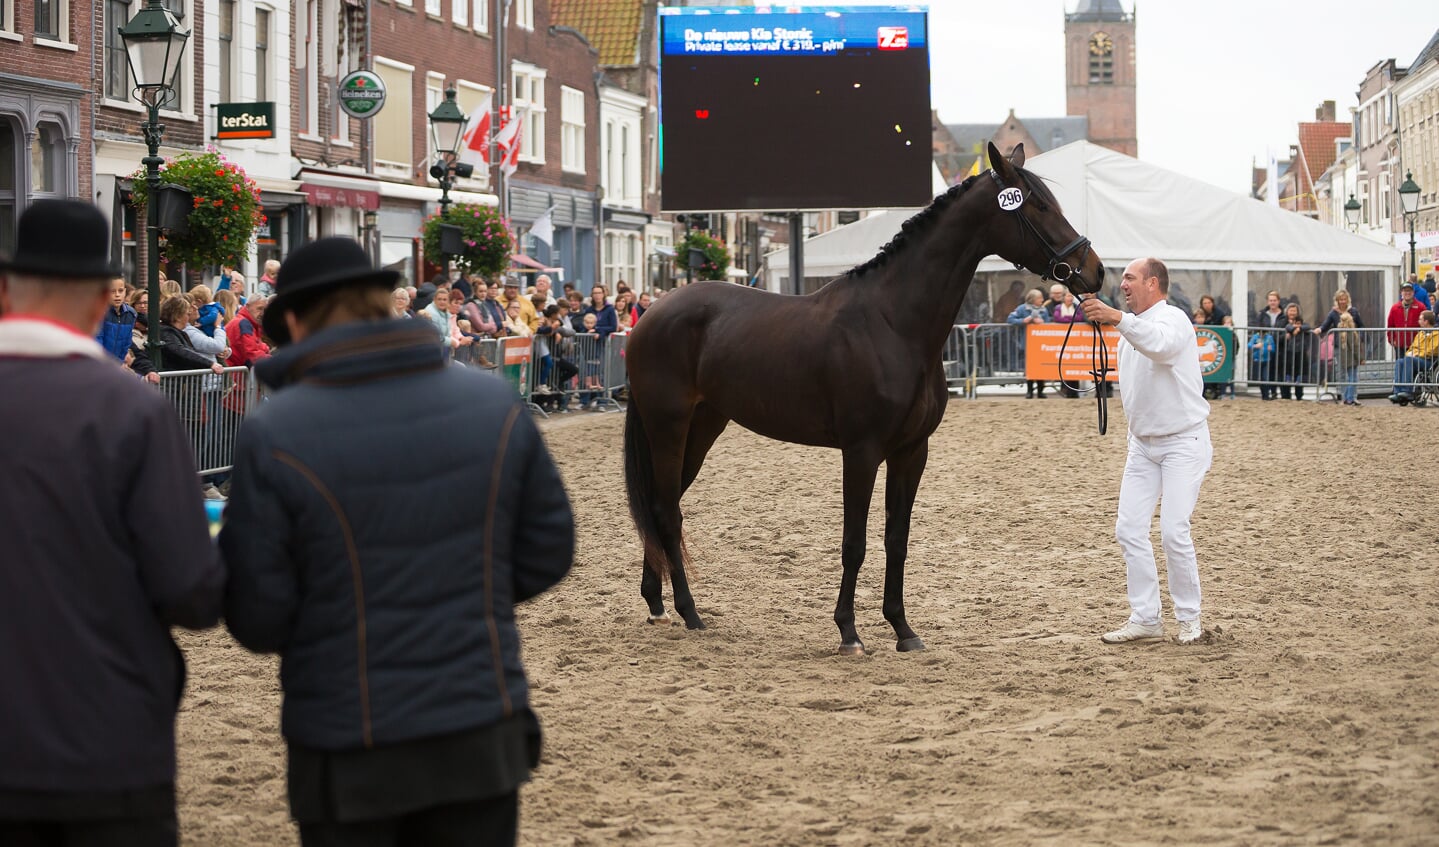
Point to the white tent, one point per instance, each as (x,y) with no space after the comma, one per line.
(1226,242)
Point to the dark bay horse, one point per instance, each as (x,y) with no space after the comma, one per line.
(855,366)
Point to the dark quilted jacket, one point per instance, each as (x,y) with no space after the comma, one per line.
(387,512)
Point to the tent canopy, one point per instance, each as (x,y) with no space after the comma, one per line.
(1129,209)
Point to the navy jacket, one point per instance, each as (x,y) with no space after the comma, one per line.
(106,547)
(386,513)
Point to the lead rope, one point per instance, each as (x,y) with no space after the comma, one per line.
(1100,359)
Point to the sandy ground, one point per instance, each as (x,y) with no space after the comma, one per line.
(1310,714)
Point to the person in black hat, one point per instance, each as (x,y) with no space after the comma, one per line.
(387,581)
(106,547)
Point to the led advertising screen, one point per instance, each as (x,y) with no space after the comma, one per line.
(790,108)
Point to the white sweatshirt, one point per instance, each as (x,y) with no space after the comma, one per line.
(1159,375)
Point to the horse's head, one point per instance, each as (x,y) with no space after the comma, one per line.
(1033,233)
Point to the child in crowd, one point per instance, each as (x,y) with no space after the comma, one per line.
(229,305)
(210,311)
(1348,354)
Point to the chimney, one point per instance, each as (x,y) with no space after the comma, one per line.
(1325,112)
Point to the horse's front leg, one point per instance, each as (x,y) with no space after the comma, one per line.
(859,472)
(901,482)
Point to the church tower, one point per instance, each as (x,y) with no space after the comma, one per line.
(1099,72)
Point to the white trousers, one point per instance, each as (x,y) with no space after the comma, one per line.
(1165,469)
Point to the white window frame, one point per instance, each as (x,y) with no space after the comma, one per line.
(526,82)
(460,12)
(434,96)
(63,40)
(309,82)
(623,252)
(227,50)
(481,18)
(433,8)
(7,14)
(525,14)
(404,107)
(469,95)
(345,54)
(185,96)
(109,41)
(262,61)
(572,129)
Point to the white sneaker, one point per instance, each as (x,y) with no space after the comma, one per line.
(1189,632)
(210,492)
(1132,631)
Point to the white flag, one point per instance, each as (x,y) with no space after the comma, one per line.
(543,228)
(1271,181)
(475,143)
(508,139)
(509,135)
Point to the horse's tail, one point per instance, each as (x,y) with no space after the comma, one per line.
(640,486)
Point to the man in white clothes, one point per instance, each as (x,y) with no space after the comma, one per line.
(1169,449)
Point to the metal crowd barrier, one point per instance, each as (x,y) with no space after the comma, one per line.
(1267,362)
(583,371)
(211,407)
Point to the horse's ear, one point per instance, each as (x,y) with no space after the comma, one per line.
(1001,165)
(1017,157)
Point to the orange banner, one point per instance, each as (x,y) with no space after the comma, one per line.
(1081,355)
(517,350)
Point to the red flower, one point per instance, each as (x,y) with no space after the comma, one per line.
(219,173)
(218,203)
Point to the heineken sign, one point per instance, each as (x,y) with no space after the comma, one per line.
(362,94)
(244,120)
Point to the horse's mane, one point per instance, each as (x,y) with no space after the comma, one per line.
(926,217)
(921,221)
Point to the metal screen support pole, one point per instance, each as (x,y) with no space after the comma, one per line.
(796,252)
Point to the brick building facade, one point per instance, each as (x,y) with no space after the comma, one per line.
(46,105)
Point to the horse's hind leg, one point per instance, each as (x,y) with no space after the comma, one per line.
(705,426)
(678,444)
(902,482)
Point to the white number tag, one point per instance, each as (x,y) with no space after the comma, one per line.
(1011,199)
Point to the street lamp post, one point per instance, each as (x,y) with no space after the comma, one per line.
(447,127)
(1351,213)
(1409,199)
(154,43)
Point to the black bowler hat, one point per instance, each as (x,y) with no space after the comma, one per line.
(62,238)
(319,267)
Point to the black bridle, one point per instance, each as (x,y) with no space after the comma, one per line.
(1060,271)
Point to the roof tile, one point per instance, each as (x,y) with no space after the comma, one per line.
(611,26)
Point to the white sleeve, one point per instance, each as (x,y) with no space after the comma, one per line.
(1160,338)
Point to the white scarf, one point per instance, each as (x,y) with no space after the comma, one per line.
(38,338)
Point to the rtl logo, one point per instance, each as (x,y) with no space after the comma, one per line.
(893,37)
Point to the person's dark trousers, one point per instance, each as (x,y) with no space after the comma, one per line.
(492,822)
(1260,370)
(160,831)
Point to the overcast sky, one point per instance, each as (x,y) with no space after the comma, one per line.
(1220,81)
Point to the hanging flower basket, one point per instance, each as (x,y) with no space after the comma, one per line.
(485,237)
(716,255)
(226,209)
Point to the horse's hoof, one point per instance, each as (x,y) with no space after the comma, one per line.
(661,620)
(694,622)
(855,649)
(910,645)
